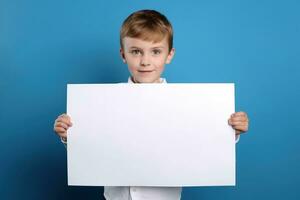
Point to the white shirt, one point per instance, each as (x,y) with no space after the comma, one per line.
(142,192)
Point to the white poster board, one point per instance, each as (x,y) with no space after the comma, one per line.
(151,134)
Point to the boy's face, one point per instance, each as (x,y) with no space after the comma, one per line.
(146,60)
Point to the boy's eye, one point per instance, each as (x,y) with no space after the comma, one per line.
(156,52)
(136,52)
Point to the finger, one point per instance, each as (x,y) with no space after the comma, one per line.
(241,128)
(240,113)
(66,116)
(63,125)
(239,119)
(64,120)
(64,134)
(238,123)
(60,130)
(230,121)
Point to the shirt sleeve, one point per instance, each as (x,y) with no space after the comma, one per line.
(64,141)
(237,138)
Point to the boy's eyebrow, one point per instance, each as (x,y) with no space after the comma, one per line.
(158,47)
(134,47)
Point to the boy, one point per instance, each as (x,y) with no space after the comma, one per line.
(146,41)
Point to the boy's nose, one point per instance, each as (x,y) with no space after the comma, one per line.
(145,61)
(145,64)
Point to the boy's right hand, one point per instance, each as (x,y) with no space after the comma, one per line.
(61,125)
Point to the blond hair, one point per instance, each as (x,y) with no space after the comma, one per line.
(148,25)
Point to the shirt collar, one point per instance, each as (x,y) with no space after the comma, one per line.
(162,80)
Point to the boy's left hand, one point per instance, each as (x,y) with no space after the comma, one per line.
(239,122)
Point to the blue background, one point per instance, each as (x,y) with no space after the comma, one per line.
(46,44)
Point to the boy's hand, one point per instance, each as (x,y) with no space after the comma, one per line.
(61,125)
(239,122)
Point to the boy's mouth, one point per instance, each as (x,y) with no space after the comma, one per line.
(145,71)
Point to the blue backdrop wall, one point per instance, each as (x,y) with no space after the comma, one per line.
(46,44)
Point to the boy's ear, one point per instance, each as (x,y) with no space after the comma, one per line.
(122,55)
(170,56)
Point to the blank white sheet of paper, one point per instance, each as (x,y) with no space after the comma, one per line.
(174,134)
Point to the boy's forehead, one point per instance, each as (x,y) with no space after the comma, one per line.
(130,42)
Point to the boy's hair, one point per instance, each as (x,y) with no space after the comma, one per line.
(148,25)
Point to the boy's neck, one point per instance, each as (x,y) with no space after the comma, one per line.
(160,80)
